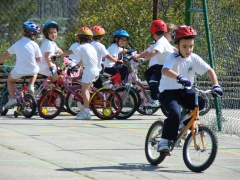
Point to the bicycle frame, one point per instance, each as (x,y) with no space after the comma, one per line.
(194,123)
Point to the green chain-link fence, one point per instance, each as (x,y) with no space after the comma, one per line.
(135,17)
(224,23)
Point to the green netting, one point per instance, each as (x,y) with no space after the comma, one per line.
(224,22)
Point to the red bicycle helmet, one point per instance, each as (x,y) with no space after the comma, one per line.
(98,31)
(158,25)
(182,32)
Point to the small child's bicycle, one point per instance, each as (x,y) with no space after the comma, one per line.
(26,103)
(200,146)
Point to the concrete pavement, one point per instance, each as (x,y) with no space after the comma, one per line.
(65,148)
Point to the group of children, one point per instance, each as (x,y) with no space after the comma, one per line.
(171,68)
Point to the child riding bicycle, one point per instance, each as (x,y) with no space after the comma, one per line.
(88,60)
(120,38)
(98,36)
(156,54)
(177,73)
(48,49)
(27,55)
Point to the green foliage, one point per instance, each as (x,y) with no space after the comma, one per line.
(13,13)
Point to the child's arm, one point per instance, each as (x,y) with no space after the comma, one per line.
(48,59)
(59,51)
(112,58)
(4,57)
(216,88)
(170,73)
(212,75)
(66,53)
(180,79)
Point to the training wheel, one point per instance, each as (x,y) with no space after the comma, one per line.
(148,111)
(107,112)
(15,114)
(44,111)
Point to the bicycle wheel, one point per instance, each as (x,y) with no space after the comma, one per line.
(129,102)
(51,104)
(29,105)
(200,158)
(141,109)
(151,144)
(73,105)
(106,104)
(208,103)
(4,100)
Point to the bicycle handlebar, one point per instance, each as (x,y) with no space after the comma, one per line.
(208,91)
(7,69)
(54,57)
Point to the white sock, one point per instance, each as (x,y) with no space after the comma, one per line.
(86,110)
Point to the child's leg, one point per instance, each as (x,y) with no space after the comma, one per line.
(11,86)
(86,95)
(31,83)
(54,76)
(32,80)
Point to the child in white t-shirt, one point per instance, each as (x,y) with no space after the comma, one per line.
(98,36)
(27,55)
(120,38)
(178,72)
(48,49)
(88,60)
(156,54)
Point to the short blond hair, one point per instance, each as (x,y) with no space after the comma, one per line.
(170,27)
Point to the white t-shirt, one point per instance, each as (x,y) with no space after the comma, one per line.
(101,52)
(87,54)
(187,67)
(75,59)
(164,48)
(113,50)
(48,46)
(26,52)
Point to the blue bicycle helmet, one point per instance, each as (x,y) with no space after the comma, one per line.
(50,24)
(121,33)
(30,27)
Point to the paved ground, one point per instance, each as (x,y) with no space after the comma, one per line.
(65,148)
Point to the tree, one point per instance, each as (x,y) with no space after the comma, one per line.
(13,13)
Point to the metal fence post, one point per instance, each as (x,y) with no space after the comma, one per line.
(209,44)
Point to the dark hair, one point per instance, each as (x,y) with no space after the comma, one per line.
(97,37)
(84,39)
(159,33)
(176,41)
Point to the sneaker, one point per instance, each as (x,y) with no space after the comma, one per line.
(163,147)
(82,115)
(31,89)
(153,103)
(10,103)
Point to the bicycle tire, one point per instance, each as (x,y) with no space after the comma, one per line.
(141,108)
(4,100)
(129,105)
(151,144)
(106,109)
(208,104)
(193,158)
(29,105)
(73,105)
(47,105)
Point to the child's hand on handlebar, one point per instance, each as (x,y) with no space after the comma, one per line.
(184,81)
(120,61)
(218,90)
